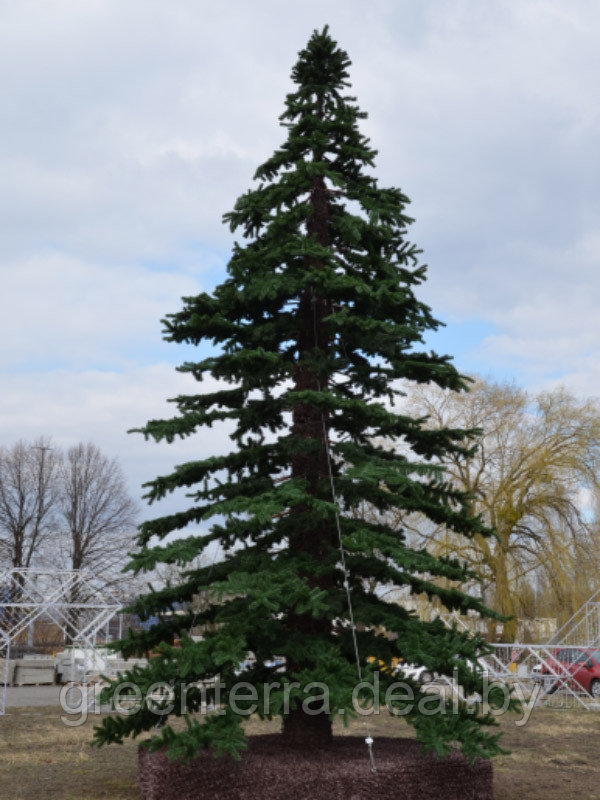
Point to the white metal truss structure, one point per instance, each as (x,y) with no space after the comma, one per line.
(534,670)
(75,600)
(583,628)
(547,673)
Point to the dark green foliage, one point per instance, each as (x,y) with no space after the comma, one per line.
(315,331)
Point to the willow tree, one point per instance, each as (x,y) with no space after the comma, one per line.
(314,330)
(535,460)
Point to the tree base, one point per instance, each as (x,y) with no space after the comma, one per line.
(270,769)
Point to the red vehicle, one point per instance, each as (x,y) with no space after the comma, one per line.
(579,666)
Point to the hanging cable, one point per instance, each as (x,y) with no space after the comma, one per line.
(369,738)
(346,573)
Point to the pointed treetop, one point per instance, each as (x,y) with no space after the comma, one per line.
(322,65)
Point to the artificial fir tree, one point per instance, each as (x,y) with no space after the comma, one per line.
(315,331)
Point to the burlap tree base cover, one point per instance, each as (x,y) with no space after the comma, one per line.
(270,771)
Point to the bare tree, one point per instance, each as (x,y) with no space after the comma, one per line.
(97,519)
(66,511)
(28,500)
(98,513)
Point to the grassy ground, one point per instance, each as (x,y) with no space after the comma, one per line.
(554,756)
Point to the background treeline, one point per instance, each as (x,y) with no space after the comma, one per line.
(64,509)
(533,475)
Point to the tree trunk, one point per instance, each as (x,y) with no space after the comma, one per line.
(309,423)
(504,600)
(303,730)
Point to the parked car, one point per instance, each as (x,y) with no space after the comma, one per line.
(541,670)
(421,674)
(579,667)
(415,672)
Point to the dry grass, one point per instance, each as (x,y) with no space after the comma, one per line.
(554,756)
(42,758)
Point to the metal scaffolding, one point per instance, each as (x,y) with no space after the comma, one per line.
(76,601)
(535,672)
(583,628)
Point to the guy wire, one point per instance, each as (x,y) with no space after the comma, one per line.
(369,738)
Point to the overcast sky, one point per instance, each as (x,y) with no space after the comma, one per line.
(130,126)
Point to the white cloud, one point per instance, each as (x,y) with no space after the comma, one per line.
(101,407)
(129,128)
(62,309)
